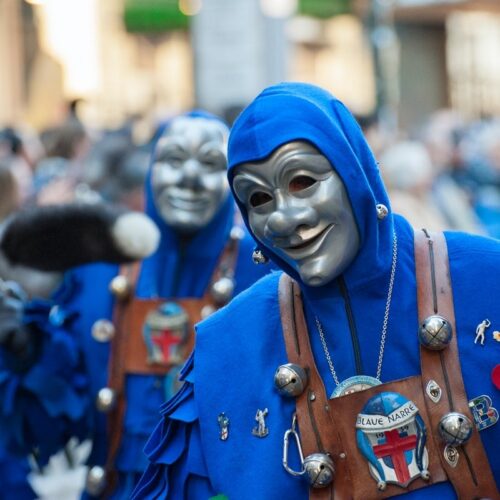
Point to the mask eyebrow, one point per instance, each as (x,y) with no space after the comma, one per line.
(244,181)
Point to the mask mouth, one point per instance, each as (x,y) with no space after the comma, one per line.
(186,199)
(309,246)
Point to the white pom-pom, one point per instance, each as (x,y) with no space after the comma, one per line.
(136,235)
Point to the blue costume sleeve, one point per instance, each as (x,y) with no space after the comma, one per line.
(43,403)
(177,468)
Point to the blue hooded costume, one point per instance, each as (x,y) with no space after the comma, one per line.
(45,403)
(239,348)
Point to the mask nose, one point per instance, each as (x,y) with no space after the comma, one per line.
(191,174)
(286,221)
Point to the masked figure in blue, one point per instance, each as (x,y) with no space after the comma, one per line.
(310,383)
(114,339)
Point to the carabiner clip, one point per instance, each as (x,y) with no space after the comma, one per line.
(286,441)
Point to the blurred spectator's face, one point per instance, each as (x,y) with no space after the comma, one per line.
(189,173)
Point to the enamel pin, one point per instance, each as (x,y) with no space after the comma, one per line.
(223,422)
(480,329)
(433,391)
(483,412)
(496,335)
(391,435)
(261,430)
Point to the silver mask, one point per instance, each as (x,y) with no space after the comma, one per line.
(189,172)
(298,208)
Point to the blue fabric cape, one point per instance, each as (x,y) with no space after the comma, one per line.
(239,348)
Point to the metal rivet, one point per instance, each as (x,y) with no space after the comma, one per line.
(106,399)
(95,481)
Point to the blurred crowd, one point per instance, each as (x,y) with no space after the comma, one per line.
(69,163)
(443,175)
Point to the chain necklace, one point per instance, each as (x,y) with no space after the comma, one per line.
(384,323)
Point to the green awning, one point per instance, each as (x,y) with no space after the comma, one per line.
(324,8)
(153,16)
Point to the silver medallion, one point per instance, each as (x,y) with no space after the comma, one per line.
(354,384)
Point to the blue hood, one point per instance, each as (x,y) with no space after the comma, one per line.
(160,272)
(298,111)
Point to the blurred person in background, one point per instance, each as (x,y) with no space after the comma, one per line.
(481,151)
(135,324)
(58,176)
(14,152)
(441,136)
(409,175)
(116,169)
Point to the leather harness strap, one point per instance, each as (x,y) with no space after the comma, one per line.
(471,477)
(328,426)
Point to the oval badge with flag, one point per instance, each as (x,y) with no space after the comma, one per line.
(391,435)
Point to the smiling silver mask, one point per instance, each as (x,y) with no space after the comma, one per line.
(189,172)
(298,208)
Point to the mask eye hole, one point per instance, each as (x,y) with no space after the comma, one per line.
(259,198)
(300,183)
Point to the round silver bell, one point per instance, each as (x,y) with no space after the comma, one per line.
(103,330)
(290,380)
(319,469)
(206,311)
(96,481)
(258,257)
(222,290)
(435,333)
(455,428)
(120,287)
(106,399)
(382,211)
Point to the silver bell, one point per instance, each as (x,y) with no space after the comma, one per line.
(120,287)
(206,311)
(455,428)
(382,211)
(106,399)
(290,380)
(258,257)
(222,290)
(96,481)
(435,333)
(319,469)
(103,330)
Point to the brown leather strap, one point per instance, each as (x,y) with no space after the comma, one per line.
(471,477)
(313,415)
(328,426)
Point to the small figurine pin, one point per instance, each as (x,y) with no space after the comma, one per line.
(223,421)
(261,430)
(481,328)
